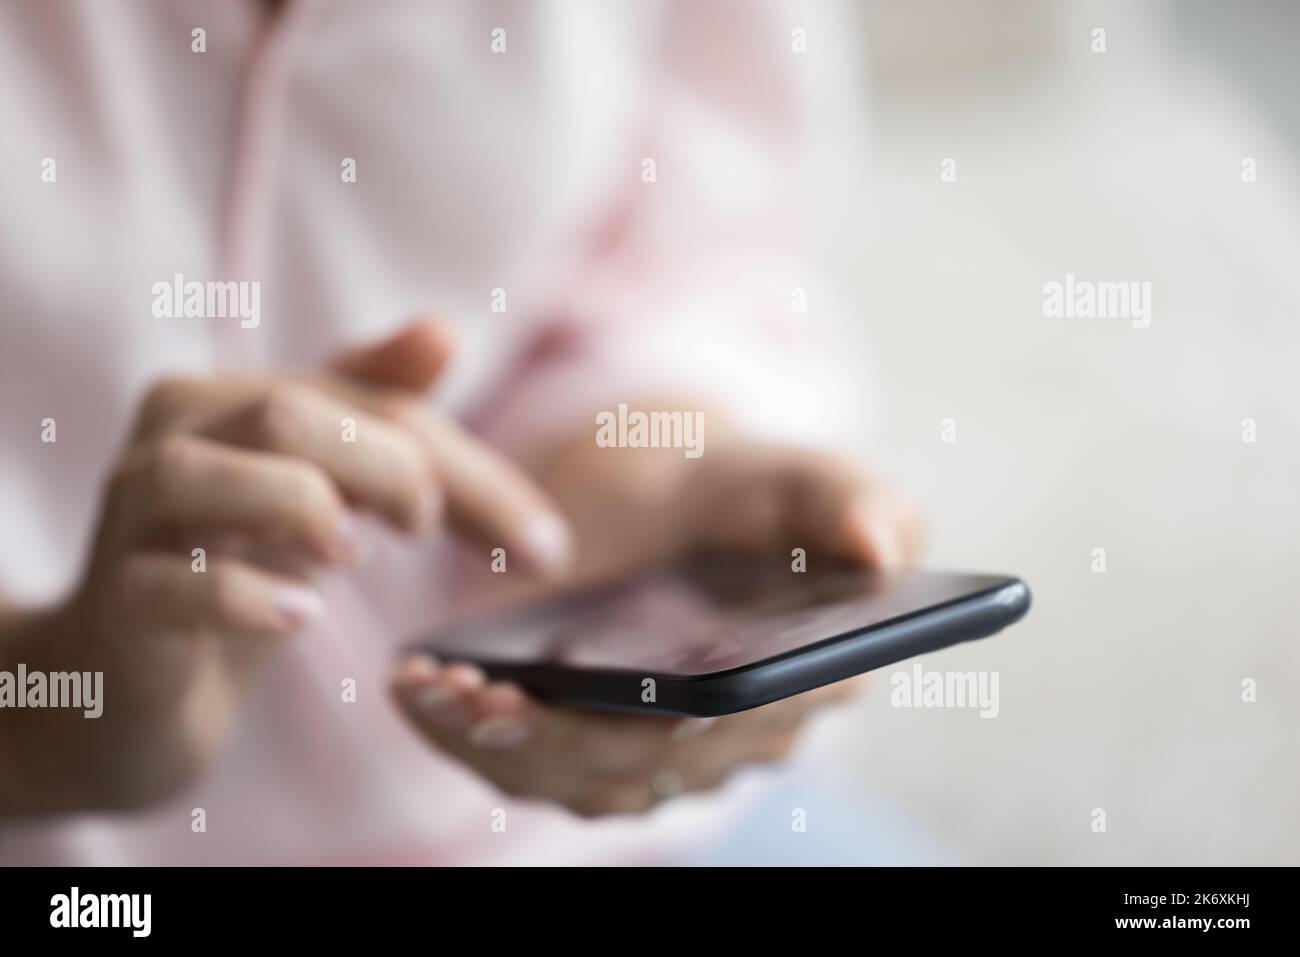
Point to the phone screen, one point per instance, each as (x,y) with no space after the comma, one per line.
(704,617)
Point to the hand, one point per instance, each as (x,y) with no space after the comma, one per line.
(593,764)
(256,471)
(637,508)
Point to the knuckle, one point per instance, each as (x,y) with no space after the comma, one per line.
(281,415)
(162,400)
(169,465)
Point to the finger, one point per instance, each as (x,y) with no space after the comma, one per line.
(185,481)
(777,497)
(440,701)
(710,762)
(881,529)
(487,497)
(460,710)
(157,593)
(374,462)
(758,735)
(175,401)
(842,509)
(828,503)
(593,764)
(438,698)
(790,713)
(703,764)
(411,359)
(703,761)
(491,499)
(912,521)
(596,744)
(282,558)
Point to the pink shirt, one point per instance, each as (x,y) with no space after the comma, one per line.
(481,177)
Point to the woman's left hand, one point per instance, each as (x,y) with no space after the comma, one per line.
(632,509)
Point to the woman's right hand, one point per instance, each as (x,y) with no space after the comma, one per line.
(261,474)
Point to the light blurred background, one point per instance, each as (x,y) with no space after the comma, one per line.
(1122,690)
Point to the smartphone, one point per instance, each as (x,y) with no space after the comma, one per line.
(717,636)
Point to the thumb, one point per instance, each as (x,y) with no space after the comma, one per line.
(410,359)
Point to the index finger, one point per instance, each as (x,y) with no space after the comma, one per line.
(485,495)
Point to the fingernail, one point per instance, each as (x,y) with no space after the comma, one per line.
(500,732)
(548,542)
(296,605)
(692,728)
(441,706)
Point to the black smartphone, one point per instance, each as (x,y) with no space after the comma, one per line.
(716,636)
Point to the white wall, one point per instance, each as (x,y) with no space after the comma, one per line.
(1122,690)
